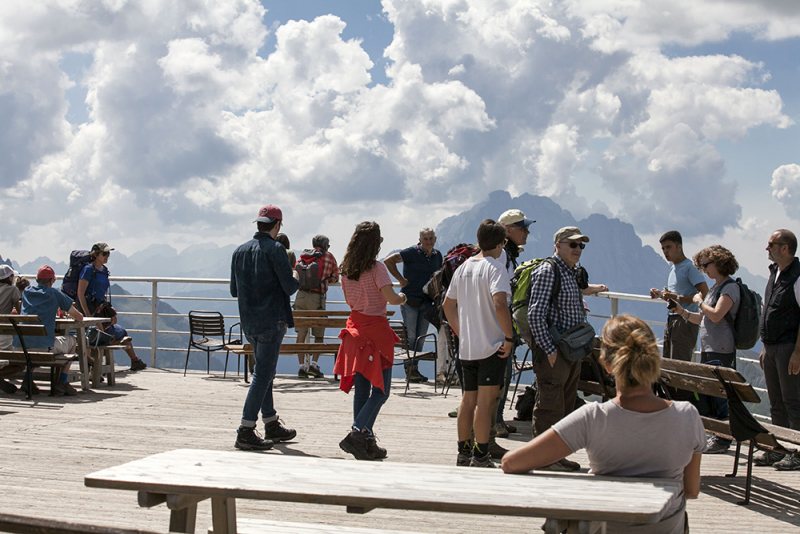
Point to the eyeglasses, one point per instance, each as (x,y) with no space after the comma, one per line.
(105,253)
(773,243)
(573,244)
(706,264)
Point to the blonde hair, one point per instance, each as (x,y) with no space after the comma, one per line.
(630,350)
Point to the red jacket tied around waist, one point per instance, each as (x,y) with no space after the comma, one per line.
(367,347)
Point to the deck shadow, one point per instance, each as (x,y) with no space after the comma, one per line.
(766,497)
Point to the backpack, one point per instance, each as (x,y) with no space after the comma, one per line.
(525,403)
(440,280)
(78,259)
(521,296)
(308,269)
(748,319)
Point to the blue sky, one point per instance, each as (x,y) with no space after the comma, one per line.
(141,122)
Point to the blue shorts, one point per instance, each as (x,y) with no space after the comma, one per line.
(117,331)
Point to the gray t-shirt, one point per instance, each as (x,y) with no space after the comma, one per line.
(9,294)
(718,337)
(625,443)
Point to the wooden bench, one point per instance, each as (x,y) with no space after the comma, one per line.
(264,526)
(569,501)
(710,380)
(103,361)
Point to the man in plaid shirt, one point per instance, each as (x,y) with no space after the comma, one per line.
(314,299)
(556,376)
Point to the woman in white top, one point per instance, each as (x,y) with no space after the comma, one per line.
(636,434)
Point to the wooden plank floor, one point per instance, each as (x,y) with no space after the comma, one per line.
(47,447)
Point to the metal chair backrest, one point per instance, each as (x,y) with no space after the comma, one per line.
(400,329)
(450,341)
(206,324)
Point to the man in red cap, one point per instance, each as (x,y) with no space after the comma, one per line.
(45,301)
(262,281)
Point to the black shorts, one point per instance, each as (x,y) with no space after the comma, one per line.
(487,372)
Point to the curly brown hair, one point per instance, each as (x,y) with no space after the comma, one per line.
(723,259)
(362,251)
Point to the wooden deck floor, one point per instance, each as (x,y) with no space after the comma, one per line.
(47,447)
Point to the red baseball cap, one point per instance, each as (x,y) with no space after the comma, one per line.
(269,214)
(45,273)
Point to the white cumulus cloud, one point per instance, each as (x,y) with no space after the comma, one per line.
(786,188)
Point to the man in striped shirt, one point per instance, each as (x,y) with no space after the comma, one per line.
(556,376)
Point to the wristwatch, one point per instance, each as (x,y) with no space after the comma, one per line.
(510,339)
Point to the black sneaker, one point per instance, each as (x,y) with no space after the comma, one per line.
(314,372)
(463,459)
(790,462)
(482,461)
(7,386)
(276,432)
(355,443)
(302,373)
(247,439)
(767,458)
(377,452)
(415,377)
(24,388)
(717,445)
(138,365)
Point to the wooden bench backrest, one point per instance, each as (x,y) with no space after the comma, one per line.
(707,386)
(22,322)
(699,369)
(400,329)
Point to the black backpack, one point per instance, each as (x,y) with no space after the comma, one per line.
(748,318)
(78,259)
(308,269)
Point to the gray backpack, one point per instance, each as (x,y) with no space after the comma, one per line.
(308,269)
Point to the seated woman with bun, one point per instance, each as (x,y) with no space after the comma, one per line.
(636,434)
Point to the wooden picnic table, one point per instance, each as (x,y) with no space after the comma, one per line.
(327,313)
(64,325)
(184,477)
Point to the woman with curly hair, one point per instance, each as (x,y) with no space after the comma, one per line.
(366,354)
(636,434)
(717,313)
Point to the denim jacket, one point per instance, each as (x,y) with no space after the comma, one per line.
(262,280)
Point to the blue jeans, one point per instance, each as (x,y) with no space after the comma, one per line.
(266,348)
(368,400)
(416,324)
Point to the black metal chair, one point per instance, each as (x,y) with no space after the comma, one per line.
(248,360)
(406,349)
(204,326)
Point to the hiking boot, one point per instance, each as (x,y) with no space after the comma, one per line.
(276,432)
(415,377)
(247,439)
(302,373)
(7,386)
(790,462)
(355,443)
(511,428)
(767,458)
(464,459)
(441,379)
(496,451)
(563,466)
(500,430)
(482,461)
(64,388)
(379,453)
(717,445)
(454,413)
(314,372)
(24,388)
(138,365)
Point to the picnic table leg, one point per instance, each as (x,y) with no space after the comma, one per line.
(183,520)
(83,352)
(223,515)
(572,526)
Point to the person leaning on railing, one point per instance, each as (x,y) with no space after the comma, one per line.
(636,434)
(93,286)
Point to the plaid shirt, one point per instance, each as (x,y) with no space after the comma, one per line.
(569,300)
(328,267)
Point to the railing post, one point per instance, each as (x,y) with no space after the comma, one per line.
(614,307)
(153,324)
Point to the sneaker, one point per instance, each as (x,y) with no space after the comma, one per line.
(454,413)
(414,376)
(482,461)
(464,459)
(767,458)
(441,379)
(511,428)
(314,372)
(717,445)
(496,451)
(64,388)
(138,365)
(276,432)
(7,386)
(247,439)
(302,373)
(355,443)
(24,388)
(500,430)
(377,452)
(563,466)
(790,462)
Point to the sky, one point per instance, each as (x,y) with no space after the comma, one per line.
(173,121)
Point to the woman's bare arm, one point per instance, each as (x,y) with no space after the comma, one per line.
(544,450)
(691,477)
(392,297)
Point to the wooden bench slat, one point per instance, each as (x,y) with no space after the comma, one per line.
(6,317)
(38,358)
(291,348)
(707,386)
(33,330)
(263,526)
(701,369)
(320,322)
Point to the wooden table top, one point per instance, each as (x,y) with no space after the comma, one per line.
(69,322)
(371,485)
(328,313)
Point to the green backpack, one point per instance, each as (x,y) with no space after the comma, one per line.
(521,296)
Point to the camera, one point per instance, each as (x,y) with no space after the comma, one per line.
(672,304)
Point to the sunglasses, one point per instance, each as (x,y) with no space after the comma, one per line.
(573,244)
(773,243)
(706,264)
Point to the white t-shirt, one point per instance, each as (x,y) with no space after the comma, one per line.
(473,286)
